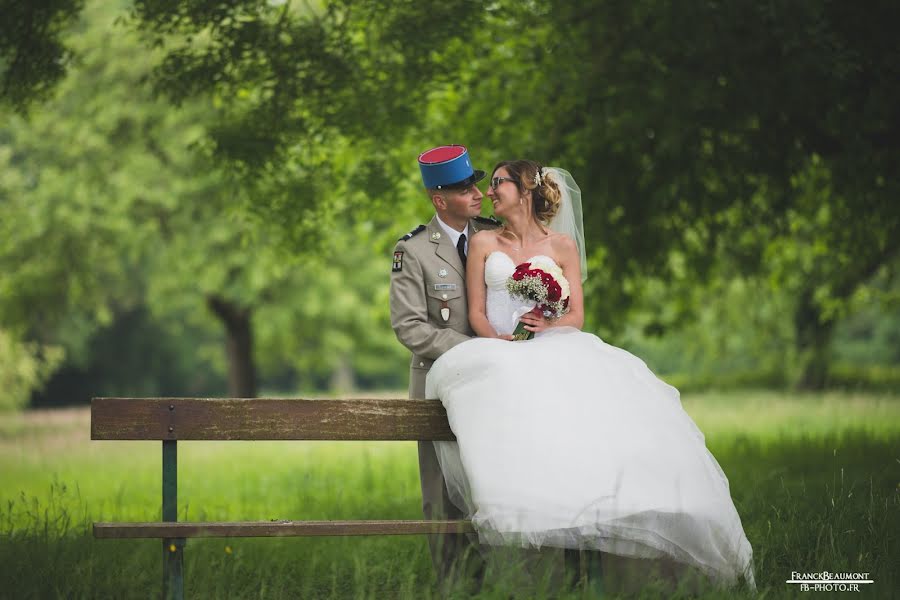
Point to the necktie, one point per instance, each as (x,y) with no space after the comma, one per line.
(461,248)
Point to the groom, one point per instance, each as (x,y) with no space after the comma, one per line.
(429,311)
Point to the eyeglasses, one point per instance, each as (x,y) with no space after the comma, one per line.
(496,181)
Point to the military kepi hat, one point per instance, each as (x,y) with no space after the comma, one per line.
(448,167)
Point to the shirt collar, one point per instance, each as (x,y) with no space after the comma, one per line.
(454,234)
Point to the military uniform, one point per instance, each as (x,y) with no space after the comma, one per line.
(429,314)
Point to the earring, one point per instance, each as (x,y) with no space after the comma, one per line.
(521,200)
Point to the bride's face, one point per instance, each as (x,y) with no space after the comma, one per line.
(503,192)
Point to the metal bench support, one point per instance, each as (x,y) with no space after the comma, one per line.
(173,548)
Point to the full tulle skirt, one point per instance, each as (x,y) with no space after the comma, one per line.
(566,441)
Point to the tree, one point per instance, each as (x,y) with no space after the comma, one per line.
(110,205)
(700,128)
(33,57)
(691,125)
(146,225)
(84,182)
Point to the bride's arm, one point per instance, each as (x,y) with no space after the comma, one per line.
(571,266)
(570,261)
(476,291)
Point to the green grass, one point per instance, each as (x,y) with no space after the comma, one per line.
(816,480)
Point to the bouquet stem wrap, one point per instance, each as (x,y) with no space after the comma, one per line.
(521,334)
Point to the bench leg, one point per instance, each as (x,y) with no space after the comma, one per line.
(173,569)
(173,548)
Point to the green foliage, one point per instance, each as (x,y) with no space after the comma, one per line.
(23,369)
(866,377)
(734,151)
(33,58)
(139,355)
(111,209)
(291,78)
(344,292)
(685,137)
(736,332)
(870,332)
(690,130)
(89,186)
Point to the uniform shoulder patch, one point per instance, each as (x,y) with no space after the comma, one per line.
(415,231)
(488,221)
(398,262)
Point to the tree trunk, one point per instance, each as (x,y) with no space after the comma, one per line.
(814,332)
(238,346)
(342,378)
(813,342)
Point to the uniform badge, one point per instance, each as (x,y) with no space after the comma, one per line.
(445,310)
(398,262)
(436,235)
(442,273)
(444,286)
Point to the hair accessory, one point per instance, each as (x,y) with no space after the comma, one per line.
(537,177)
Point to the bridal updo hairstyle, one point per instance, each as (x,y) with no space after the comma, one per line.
(545,196)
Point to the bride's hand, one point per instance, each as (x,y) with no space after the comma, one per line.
(535,321)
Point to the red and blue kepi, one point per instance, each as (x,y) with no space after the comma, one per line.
(448,167)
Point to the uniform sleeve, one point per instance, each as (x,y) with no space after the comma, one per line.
(409,311)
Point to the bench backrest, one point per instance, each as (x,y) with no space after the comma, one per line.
(268,419)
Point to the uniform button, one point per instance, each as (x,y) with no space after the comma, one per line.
(421,364)
(444,296)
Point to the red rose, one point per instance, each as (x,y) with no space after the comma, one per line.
(553,291)
(521,271)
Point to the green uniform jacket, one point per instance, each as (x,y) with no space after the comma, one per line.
(427,276)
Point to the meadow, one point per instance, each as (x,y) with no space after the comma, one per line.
(815,478)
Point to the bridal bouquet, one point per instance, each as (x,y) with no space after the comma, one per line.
(542,282)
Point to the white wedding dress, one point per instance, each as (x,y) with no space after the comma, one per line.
(566,441)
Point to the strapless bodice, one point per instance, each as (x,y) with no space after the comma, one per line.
(503,311)
(498,266)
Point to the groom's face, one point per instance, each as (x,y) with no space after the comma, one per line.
(462,204)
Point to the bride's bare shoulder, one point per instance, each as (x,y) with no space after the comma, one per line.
(484,239)
(562,244)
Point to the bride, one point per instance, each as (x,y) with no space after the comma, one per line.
(564,440)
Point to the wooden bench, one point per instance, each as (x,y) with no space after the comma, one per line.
(174,419)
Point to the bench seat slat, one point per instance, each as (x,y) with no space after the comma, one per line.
(277,528)
(268,419)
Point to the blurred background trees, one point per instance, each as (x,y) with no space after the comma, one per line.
(200,198)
